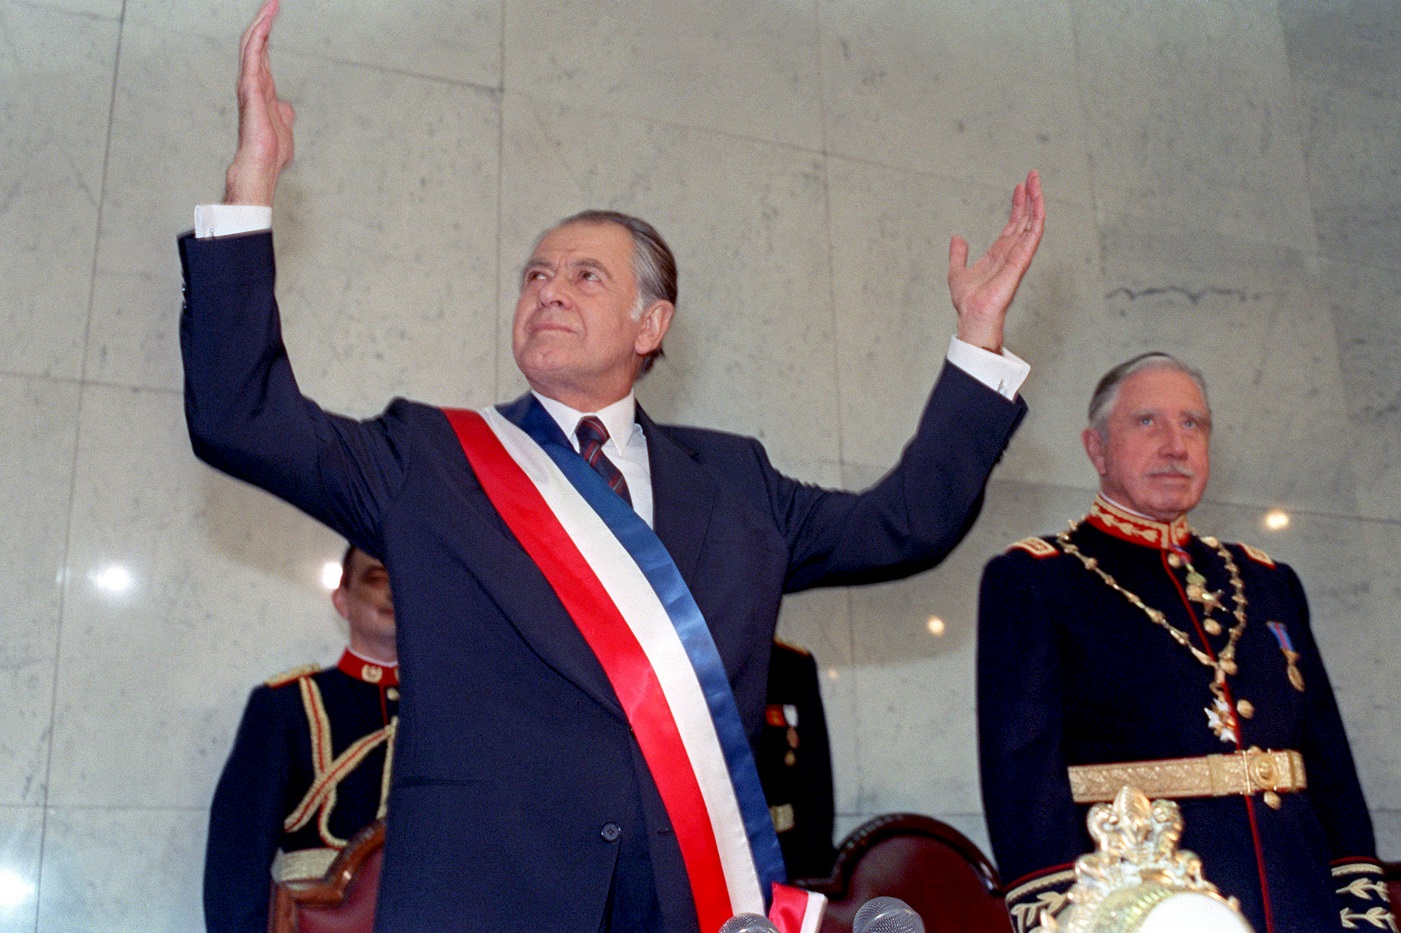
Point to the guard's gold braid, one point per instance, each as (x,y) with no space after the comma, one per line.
(327,771)
(319,725)
(322,795)
(323,821)
(392,728)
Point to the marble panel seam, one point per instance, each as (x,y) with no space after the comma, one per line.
(667,124)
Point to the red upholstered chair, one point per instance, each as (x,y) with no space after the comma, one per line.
(926,863)
(1391,871)
(341,902)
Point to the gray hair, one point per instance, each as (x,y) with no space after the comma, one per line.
(1107,391)
(653,265)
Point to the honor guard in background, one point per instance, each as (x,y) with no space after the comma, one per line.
(795,763)
(1132,650)
(311,763)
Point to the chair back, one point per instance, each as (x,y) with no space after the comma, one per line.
(343,901)
(1391,873)
(926,863)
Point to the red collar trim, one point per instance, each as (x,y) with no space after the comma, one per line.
(371,672)
(1135,529)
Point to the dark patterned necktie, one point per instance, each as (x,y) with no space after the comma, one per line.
(592,436)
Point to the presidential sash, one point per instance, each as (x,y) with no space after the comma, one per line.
(620,586)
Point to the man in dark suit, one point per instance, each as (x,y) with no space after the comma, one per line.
(1132,650)
(309,767)
(523,796)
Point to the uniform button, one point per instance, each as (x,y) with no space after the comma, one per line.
(610,832)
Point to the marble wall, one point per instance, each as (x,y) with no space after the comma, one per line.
(1222,182)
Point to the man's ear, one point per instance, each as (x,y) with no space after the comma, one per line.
(655,322)
(1094,446)
(342,604)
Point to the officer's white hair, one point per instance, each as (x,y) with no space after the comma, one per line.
(1107,391)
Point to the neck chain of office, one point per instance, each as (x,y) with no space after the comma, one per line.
(1224,663)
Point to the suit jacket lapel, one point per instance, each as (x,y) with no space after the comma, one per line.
(683,500)
(683,497)
(527,600)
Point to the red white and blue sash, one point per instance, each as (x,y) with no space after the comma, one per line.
(625,594)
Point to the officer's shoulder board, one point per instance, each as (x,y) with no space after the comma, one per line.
(292,676)
(1036,547)
(782,645)
(1257,555)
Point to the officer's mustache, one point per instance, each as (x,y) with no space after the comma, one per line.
(1174,469)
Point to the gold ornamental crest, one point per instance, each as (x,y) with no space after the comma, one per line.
(1137,867)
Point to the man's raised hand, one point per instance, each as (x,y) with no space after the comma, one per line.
(264,121)
(983,292)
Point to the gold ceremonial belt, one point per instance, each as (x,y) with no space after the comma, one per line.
(1245,773)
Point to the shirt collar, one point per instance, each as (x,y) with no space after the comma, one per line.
(370,671)
(1113,519)
(620,418)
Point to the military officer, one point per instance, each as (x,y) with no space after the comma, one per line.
(1132,650)
(795,763)
(310,766)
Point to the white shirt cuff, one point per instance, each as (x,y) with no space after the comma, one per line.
(1002,372)
(228,219)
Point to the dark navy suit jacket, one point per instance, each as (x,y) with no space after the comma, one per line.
(520,799)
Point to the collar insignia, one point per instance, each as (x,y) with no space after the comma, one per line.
(1126,526)
(384,675)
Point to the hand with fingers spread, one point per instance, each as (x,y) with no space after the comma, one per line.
(264,120)
(983,292)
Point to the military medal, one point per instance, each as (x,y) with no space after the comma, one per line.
(1210,600)
(1218,717)
(1291,657)
(790,716)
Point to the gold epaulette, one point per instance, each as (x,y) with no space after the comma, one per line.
(1036,547)
(292,676)
(1257,555)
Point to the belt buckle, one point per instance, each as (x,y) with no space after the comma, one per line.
(1269,772)
(1262,770)
(1246,772)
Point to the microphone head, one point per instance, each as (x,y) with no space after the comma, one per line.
(748,923)
(886,915)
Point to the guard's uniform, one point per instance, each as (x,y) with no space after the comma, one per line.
(1102,645)
(309,769)
(795,763)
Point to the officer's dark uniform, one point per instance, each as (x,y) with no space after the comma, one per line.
(795,763)
(307,771)
(1073,670)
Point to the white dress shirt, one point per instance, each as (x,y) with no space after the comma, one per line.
(630,456)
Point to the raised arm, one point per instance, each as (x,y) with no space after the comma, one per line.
(245,412)
(983,292)
(264,120)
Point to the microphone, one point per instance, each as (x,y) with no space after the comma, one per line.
(748,923)
(886,915)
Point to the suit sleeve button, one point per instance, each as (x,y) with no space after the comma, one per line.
(610,832)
